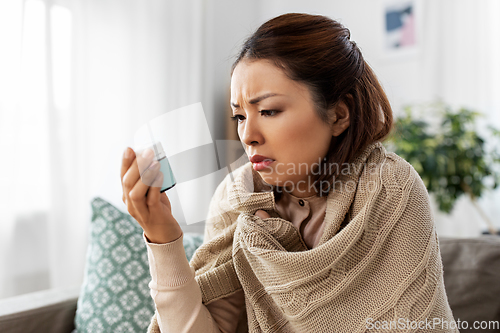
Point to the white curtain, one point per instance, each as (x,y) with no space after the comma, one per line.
(77,78)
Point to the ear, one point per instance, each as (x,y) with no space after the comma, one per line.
(341,119)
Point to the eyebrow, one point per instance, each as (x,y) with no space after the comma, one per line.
(257,99)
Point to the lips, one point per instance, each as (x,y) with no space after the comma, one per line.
(260,158)
(260,162)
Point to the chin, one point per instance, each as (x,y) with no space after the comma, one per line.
(273,179)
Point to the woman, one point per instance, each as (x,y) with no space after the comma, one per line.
(323,231)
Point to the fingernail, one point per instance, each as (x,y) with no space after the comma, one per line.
(148,153)
(127,153)
(153,165)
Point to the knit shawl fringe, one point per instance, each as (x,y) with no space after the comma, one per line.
(384,265)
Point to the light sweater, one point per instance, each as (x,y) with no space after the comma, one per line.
(384,265)
(306,214)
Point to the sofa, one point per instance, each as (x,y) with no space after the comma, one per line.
(471,275)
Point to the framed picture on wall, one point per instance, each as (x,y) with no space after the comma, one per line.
(401,27)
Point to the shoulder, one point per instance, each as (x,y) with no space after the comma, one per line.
(400,180)
(407,198)
(396,176)
(395,191)
(398,172)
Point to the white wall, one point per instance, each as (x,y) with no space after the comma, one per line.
(228,23)
(402,77)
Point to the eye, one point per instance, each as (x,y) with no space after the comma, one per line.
(268,113)
(238,117)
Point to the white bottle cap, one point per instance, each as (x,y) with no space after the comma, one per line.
(159,152)
(157,149)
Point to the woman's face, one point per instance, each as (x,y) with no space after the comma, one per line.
(277,119)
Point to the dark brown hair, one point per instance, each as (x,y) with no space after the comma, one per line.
(317,51)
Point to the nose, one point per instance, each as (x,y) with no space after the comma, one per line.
(250,132)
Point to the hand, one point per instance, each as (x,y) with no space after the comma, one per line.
(262,214)
(141,183)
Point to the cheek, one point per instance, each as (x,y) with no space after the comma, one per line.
(303,150)
(306,141)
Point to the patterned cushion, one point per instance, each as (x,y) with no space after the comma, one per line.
(115,295)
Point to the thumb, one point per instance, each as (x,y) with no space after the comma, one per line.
(262,214)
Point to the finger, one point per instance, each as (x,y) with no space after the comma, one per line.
(147,179)
(130,179)
(127,159)
(262,214)
(153,199)
(138,195)
(165,200)
(149,176)
(142,160)
(158,181)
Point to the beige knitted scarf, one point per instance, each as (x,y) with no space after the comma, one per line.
(383,268)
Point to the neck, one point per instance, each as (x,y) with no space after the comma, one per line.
(301,190)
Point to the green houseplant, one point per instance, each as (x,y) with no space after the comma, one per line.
(450,155)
